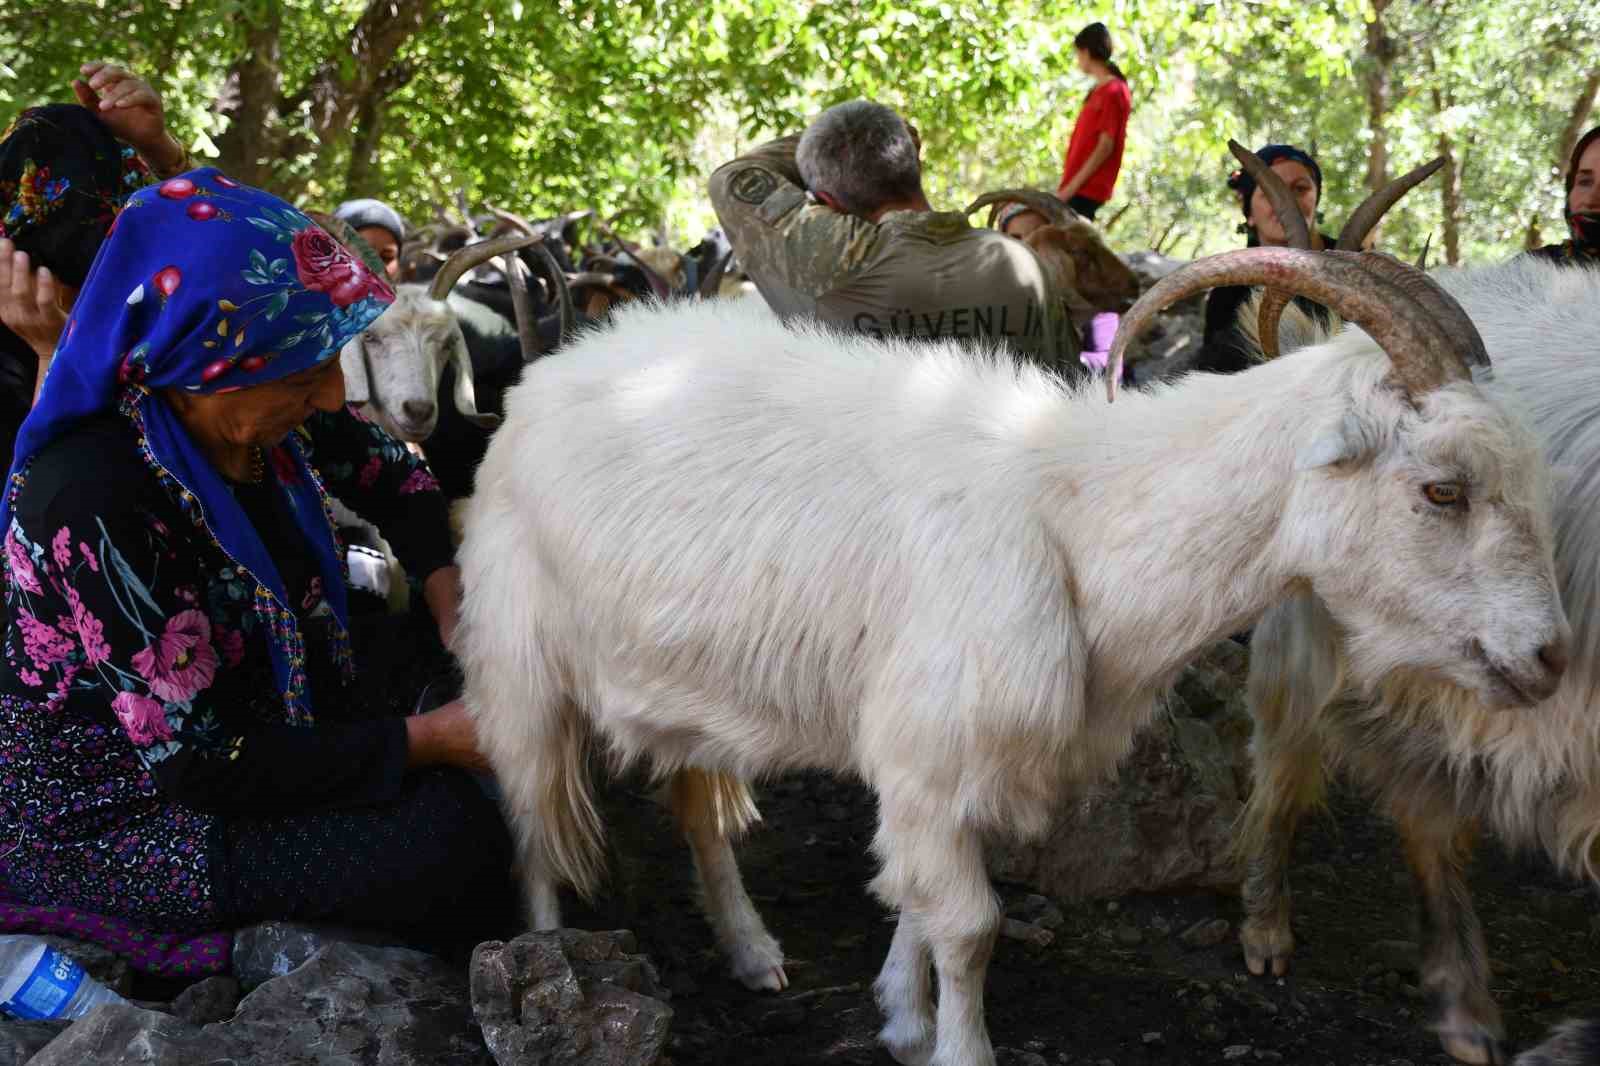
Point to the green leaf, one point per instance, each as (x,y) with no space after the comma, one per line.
(276,305)
(258,260)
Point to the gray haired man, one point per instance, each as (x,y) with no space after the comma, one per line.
(834,224)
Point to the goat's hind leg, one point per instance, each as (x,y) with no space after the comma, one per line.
(710,808)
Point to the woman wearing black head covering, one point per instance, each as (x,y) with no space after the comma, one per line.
(1224,351)
(1582,209)
(63,176)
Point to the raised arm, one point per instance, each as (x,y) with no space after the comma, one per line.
(793,249)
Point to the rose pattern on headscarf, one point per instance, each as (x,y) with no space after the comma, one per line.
(325,265)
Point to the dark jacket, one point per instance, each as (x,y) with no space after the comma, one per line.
(1224,350)
(138,707)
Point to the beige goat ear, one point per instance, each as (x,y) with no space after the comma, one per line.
(353,362)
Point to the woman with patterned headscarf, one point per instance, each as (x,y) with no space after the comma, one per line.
(1582,209)
(183,743)
(65,170)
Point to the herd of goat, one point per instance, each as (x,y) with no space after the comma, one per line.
(723,546)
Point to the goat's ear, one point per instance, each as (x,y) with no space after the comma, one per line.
(466,394)
(1342,441)
(353,362)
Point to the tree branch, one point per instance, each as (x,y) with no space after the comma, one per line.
(1577,119)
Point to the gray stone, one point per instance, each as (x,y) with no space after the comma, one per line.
(211,1000)
(1165,823)
(21,1041)
(120,1034)
(569,998)
(1206,933)
(1038,910)
(103,964)
(354,1003)
(272,949)
(1129,935)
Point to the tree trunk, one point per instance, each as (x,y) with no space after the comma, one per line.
(249,100)
(1576,121)
(1380,56)
(363,177)
(1450,187)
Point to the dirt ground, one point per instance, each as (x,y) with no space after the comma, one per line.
(1116,986)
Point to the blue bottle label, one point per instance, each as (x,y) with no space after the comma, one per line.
(48,989)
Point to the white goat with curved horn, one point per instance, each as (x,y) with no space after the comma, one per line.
(724,546)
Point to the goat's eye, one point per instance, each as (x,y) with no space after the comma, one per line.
(1445,494)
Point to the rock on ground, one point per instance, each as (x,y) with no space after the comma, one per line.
(211,1000)
(273,949)
(565,998)
(121,1034)
(1165,822)
(21,1041)
(1169,347)
(354,1003)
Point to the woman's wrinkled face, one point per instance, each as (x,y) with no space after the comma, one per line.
(387,248)
(264,414)
(1265,220)
(1585,195)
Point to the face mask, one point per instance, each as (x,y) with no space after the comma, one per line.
(1585,227)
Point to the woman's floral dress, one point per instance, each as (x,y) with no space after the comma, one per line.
(139,718)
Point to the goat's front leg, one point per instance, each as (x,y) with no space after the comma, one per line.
(710,808)
(934,871)
(905,995)
(1455,960)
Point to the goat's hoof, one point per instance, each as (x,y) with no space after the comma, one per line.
(1479,1049)
(1266,949)
(758,965)
(908,1040)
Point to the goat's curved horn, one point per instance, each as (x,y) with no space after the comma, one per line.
(1422,260)
(472,255)
(1283,201)
(1422,355)
(568,315)
(513,219)
(522,306)
(1364,218)
(1452,318)
(1054,211)
(658,284)
(711,284)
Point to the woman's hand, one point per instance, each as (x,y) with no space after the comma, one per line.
(445,737)
(442,592)
(132,111)
(33,304)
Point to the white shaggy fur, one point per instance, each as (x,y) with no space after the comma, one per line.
(724,546)
(1437,758)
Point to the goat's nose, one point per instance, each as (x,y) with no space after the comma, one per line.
(417,411)
(1554,656)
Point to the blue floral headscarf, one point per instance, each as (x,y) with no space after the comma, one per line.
(210,286)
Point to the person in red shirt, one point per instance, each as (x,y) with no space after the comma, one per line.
(1094,154)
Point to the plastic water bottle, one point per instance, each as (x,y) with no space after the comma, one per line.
(39,982)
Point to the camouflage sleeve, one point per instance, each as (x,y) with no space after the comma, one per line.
(794,250)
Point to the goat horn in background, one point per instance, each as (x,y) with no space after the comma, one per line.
(1366,217)
(1054,211)
(1422,355)
(515,220)
(472,255)
(1296,232)
(522,306)
(568,316)
(711,284)
(1422,260)
(658,284)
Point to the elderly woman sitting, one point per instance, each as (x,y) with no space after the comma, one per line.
(181,739)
